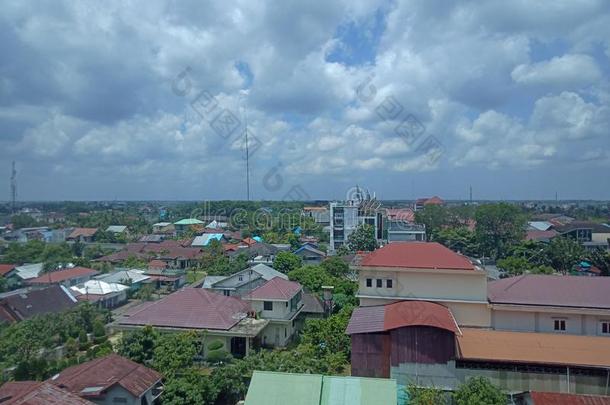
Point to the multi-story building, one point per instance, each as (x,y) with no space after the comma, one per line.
(346,216)
(429,315)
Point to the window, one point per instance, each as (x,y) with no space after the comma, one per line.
(605,327)
(241,278)
(286,304)
(379,282)
(388,283)
(285,333)
(268,305)
(119,400)
(369,282)
(227,293)
(560,325)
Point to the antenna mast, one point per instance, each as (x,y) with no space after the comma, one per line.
(13,188)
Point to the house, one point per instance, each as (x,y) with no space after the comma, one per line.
(590,235)
(86,235)
(419,342)
(310,255)
(257,253)
(186,224)
(243,281)
(273,388)
(9,273)
(540,236)
(280,301)
(206,238)
(173,253)
(228,320)
(216,225)
(66,277)
(551,304)
(117,229)
(420,203)
(29,271)
(346,216)
(37,393)
(554,398)
(163,228)
(111,380)
(132,278)
(399,231)
(166,277)
(152,239)
(105,295)
(425,271)
(25,303)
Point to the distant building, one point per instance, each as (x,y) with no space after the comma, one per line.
(242,282)
(420,203)
(117,229)
(25,303)
(554,398)
(86,235)
(66,277)
(310,254)
(186,224)
(101,293)
(320,215)
(346,216)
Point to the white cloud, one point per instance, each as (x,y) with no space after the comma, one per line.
(564,71)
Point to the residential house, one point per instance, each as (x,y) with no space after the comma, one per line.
(228,320)
(173,253)
(25,303)
(111,380)
(101,293)
(186,224)
(273,388)
(280,301)
(118,229)
(29,271)
(243,281)
(37,393)
(310,255)
(420,203)
(152,239)
(205,239)
(257,253)
(85,235)
(132,278)
(590,235)
(9,273)
(66,277)
(169,278)
(163,228)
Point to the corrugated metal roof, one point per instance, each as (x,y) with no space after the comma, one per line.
(37,393)
(272,388)
(276,289)
(401,314)
(534,348)
(554,398)
(63,275)
(189,221)
(206,238)
(551,290)
(417,255)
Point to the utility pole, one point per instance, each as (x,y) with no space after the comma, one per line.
(13,188)
(471,194)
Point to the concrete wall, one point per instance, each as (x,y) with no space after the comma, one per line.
(600,237)
(116,394)
(278,334)
(539,321)
(426,284)
(281,310)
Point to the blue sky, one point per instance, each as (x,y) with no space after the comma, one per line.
(149,100)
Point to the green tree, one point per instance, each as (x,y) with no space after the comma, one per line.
(190,387)
(459,239)
(477,391)
(600,259)
(434,217)
(328,335)
(362,239)
(23,221)
(515,266)
(99,332)
(499,226)
(335,266)
(426,395)
(175,351)
(564,253)
(138,345)
(286,262)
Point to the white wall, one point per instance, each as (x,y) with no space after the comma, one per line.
(544,322)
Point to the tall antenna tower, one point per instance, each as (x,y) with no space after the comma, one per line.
(471,194)
(13,187)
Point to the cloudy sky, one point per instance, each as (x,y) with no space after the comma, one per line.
(151,100)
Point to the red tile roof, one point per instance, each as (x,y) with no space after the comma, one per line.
(86,232)
(6,268)
(540,235)
(157,264)
(276,289)
(191,308)
(417,255)
(400,314)
(547,290)
(554,398)
(105,372)
(63,275)
(37,393)
(249,241)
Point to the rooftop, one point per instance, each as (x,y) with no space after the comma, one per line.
(534,348)
(273,388)
(62,275)
(382,318)
(23,304)
(189,308)
(86,232)
(6,268)
(189,221)
(98,287)
(554,398)
(37,393)
(417,255)
(103,373)
(551,290)
(276,289)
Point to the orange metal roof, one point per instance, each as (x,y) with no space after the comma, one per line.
(553,398)
(537,348)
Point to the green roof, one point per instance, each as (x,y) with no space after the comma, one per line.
(188,221)
(270,388)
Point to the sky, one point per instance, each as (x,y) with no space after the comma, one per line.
(151,100)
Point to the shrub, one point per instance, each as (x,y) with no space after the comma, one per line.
(216,356)
(83,340)
(215,345)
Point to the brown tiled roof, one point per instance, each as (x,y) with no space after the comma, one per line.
(551,290)
(554,398)
(249,241)
(6,268)
(312,304)
(540,235)
(189,308)
(534,348)
(37,393)
(63,275)
(276,289)
(86,232)
(105,372)
(400,314)
(25,304)
(418,255)
(157,264)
